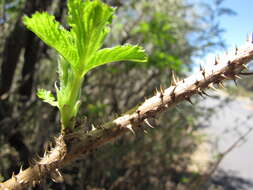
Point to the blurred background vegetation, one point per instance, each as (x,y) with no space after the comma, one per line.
(174,33)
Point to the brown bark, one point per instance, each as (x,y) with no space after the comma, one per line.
(12,49)
(18,39)
(30,58)
(33,49)
(75,145)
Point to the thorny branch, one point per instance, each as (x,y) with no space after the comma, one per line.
(75,145)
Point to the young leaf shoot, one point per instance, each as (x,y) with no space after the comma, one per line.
(79,51)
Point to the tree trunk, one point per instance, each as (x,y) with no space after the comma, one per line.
(33,49)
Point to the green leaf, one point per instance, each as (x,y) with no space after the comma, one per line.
(89,22)
(65,72)
(53,34)
(115,54)
(79,49)
(47,97)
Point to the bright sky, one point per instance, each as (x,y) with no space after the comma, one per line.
(236,27)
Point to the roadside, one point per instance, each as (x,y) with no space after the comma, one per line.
(231,119)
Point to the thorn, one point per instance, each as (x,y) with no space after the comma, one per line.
(200,67)
(14,177)
(224,76)
(238,77)
(203,92)
(189,100)
(200,92)
(197,83)
(173,79)
(245,66)
(21,181)
(147,122)
(56,86)
(202,95)
(204,73)
(25,181)
(138,112)
(48,146)
(21,169)
(211,86)
(250,38)
(39,168)
(161,96)
(45,153)
(173,91)
(157,92)
(161,89)
(216,61)
(129,127)
(221,85)
(34,183)
(172,94)
(236,49)
(235,82)
(56,176)
(93,128)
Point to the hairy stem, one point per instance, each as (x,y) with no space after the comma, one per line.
(75,145)
(71,105)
